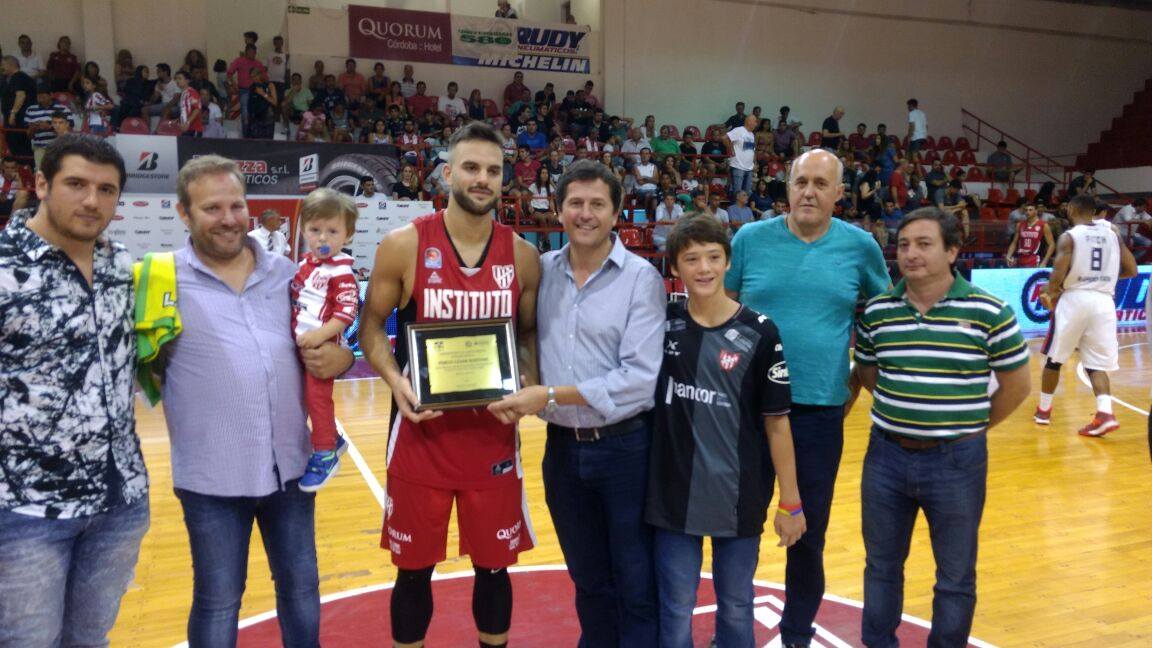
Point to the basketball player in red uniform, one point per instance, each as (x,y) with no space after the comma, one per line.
(455,264)
(1024,251)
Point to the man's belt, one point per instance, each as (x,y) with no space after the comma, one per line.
(587,434)
(916,443)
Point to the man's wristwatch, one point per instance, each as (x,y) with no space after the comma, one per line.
(551,405)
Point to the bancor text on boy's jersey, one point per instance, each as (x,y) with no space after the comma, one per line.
(1095,258)
(463,448)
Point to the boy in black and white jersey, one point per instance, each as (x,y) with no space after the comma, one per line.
(721,435)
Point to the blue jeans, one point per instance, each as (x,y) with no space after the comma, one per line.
(678,559)
(818,439)
(61,580)
(219,531)
(595,494)
(740,180)
(948,483)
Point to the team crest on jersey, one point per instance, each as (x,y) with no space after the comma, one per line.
(433,258)
(728,360)
(434,278)
(504,274)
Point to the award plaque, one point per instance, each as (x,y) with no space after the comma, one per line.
(462,364)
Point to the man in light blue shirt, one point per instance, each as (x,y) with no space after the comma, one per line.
(807,271)
(234,406)
(600,326)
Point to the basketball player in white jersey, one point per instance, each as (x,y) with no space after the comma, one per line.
(1089,260)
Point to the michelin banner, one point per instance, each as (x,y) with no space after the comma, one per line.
(1021,289)
(270,167)
(434,37)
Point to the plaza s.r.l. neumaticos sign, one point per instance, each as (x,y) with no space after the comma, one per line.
(375,32)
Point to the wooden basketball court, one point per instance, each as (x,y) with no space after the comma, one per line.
(1065,553)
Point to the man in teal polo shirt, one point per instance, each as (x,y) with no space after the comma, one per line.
(927,350)
(807,271)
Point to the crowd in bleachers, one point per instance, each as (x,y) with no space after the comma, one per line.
(666,169)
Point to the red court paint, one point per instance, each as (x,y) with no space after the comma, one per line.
(543,616)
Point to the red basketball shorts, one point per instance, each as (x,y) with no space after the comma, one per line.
(494,524)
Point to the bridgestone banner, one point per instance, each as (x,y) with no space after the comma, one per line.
(270,167)
(375,32)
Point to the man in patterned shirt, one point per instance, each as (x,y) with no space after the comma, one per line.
(926,350)
(73,489)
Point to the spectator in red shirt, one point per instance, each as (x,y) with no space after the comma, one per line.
(240,77)
(190,107)
(859,141)
(63,67)
(526,168)
(514,91)
(352,83)
(898,184)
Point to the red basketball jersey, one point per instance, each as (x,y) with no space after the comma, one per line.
(1029,239)
(469,448)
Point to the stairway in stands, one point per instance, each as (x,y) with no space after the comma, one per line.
(1129,142)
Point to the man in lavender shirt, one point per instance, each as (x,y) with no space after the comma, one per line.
(234,406)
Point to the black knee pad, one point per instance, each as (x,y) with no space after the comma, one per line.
(1054,366)
(492,600)
(411,605)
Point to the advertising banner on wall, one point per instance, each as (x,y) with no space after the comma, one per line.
(433,37)
(520,45)
(270,167)
(399,34)
(151,162)
(1021,289)
(149,223)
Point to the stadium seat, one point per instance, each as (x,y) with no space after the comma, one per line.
(64,98)
(134,126)
(1003,213)
(1029,195)
(814,139)
(673,131)
(169,127)
(995,197)
(950,157)
(569,145)
(693,132)
(897,142)
(962,144)
(967,158)
(1012,197)
(988,213)
(491,109)
(975,174)
(944,143)
(931,156)
(930,143)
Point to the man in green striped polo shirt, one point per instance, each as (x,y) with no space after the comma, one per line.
(926,350)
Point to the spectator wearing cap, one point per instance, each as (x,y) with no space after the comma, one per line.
(268,235)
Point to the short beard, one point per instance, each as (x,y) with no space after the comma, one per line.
(465,202)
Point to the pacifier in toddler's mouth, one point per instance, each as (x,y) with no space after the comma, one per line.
(324,249)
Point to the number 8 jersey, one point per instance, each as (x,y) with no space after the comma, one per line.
(1095,258)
